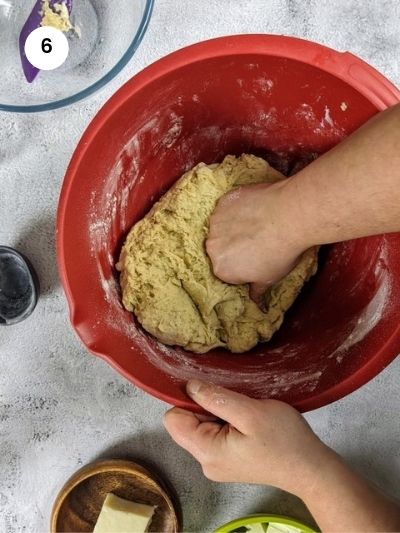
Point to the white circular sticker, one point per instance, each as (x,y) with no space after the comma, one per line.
(46,48)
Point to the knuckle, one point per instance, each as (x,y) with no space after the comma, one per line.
(222,270)
(218,269)
(210,245)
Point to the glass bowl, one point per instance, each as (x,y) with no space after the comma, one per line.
(108,36)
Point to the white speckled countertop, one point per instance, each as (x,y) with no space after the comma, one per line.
(60,407)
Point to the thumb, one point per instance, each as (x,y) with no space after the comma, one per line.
(228,405)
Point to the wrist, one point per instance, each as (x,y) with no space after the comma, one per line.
(295,211)
(311,471)
(324,465)
(339,498)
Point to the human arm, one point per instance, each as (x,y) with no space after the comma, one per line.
(351,191)
(269,442)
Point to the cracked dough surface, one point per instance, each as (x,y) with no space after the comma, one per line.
(166,275)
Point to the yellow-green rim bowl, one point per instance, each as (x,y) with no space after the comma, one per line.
(262,519)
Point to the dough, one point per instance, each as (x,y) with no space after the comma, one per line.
(166,275)
(56,16)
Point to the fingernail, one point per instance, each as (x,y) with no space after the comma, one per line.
(193,386)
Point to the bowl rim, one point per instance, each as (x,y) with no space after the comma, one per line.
(260,518)
(344,65)
(97,85)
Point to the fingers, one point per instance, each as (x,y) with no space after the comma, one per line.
(235,408)
(190,432)
(216,249)
(222,268)
(181,425)
(257,294)
(212,250)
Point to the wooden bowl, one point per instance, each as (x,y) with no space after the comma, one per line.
(79,502)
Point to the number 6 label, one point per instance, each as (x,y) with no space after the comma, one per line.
(46,48)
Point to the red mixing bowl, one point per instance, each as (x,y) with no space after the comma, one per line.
(280,97)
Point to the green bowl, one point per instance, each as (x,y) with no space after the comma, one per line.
(261,523)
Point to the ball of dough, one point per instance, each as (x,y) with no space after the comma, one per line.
(166,274)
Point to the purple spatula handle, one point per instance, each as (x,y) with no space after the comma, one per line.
(34,20)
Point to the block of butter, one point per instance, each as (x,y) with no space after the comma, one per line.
(122,516)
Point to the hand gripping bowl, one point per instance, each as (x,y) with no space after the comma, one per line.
(250,93)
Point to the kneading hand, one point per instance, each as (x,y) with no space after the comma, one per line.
(254,237)
(258,232)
